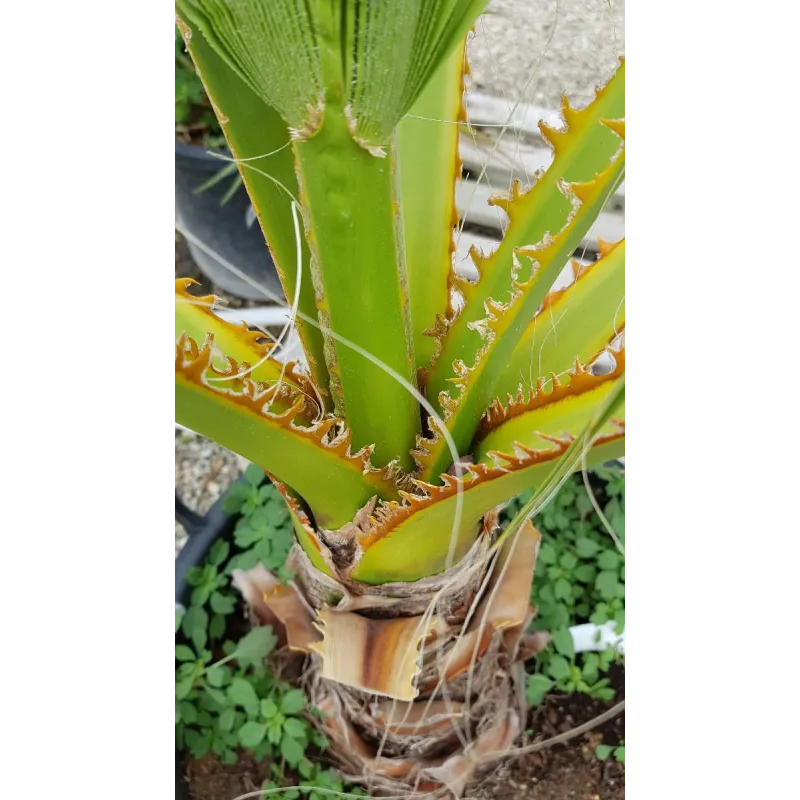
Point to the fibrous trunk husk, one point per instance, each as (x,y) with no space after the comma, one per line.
(418,684)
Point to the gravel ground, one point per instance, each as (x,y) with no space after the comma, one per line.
(559,46)
(203,472)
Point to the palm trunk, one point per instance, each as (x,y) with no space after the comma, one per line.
(420,685)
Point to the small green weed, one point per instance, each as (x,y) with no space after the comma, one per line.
(220,707)
(233,701)
(262,533)
(314,778)
(191,104)
(579,577)
(603,751)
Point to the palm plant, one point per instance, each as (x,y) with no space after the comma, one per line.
(425,401)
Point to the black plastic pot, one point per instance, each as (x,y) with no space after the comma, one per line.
(230,230)
(202,532)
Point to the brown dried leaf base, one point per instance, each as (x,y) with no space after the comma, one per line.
(421,748)
(420,685)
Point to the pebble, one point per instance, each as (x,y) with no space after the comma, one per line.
(548,46)
(203,472)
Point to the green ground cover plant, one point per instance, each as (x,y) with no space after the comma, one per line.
(579,577)
(228,699)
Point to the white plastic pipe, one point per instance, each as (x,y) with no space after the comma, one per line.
(263,316)
(587,640)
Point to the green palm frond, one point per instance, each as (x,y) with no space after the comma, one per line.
(347,115)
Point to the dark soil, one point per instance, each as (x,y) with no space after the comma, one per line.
(210,780)
(569,770)
(560,772)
